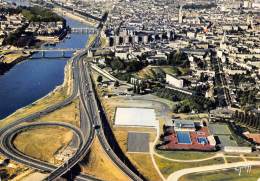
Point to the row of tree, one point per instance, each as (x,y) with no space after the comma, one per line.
(13,37)
(189,102)
(248,119)
(118,64)
(39,14)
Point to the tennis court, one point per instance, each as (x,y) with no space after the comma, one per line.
(202,140)
(183,137)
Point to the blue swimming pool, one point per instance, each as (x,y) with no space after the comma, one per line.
(183,137)
(202,140)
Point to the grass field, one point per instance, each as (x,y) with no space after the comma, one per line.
(185,155)
(103,42)
(98,164)
(43,142)
(168,167)
(234,159)
(69,114)
(227,175)
(253,159)
(149,72)
(153,72)
(91,38)
(142,161)
(144,165)
(12,57)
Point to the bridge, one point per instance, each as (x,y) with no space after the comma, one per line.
(59,52)
(83,30)
(62,52)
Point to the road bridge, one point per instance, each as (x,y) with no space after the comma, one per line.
(84,30)
(43,52)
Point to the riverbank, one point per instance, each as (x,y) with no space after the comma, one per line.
(58,94)
(28,142)
(76,40)
(7,57)
(14,58)
(8,60)
(75,16)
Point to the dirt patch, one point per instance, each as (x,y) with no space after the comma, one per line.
(99,165)
(43,143)
(69,114)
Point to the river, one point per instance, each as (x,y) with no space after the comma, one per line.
(32,79)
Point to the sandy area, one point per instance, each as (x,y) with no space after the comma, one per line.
(98,164)
(14,57)
(43,143)
(35,176)
(75,16)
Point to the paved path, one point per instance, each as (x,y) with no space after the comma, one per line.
(178,174)
(151,150)
(196,160)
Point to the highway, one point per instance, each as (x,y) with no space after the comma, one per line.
(90,119)
(90,99)
(9,136)
(7,148)
(10,151)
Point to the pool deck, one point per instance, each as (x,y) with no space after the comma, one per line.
(174,143)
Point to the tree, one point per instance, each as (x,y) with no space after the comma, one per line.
(258,121)
(243,120)
(134,89)
(138,89)
(117,64)
(240,117)
(184,109)
(116,84)
(247,119)
(255,121)
(175,108)
(99,78)
(251,120)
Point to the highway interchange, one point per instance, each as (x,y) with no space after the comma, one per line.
(91,125)
(9,151)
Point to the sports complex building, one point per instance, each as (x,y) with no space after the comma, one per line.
(188,135)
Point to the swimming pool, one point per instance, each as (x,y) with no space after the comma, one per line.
(183,137)
(202,140)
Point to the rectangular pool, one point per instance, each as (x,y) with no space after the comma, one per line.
(183,137)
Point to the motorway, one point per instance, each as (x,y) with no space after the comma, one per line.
(9,136)
(90,99)
(91,125)
(90,115)
(85,141)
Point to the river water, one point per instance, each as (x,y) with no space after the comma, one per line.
(32,79)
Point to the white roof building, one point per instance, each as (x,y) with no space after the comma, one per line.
(144,117)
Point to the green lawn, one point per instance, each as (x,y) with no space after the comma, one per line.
(228,175)
(168,167)
(169,69)
(185,155)
(234,159)
(253,159)
(91,38)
